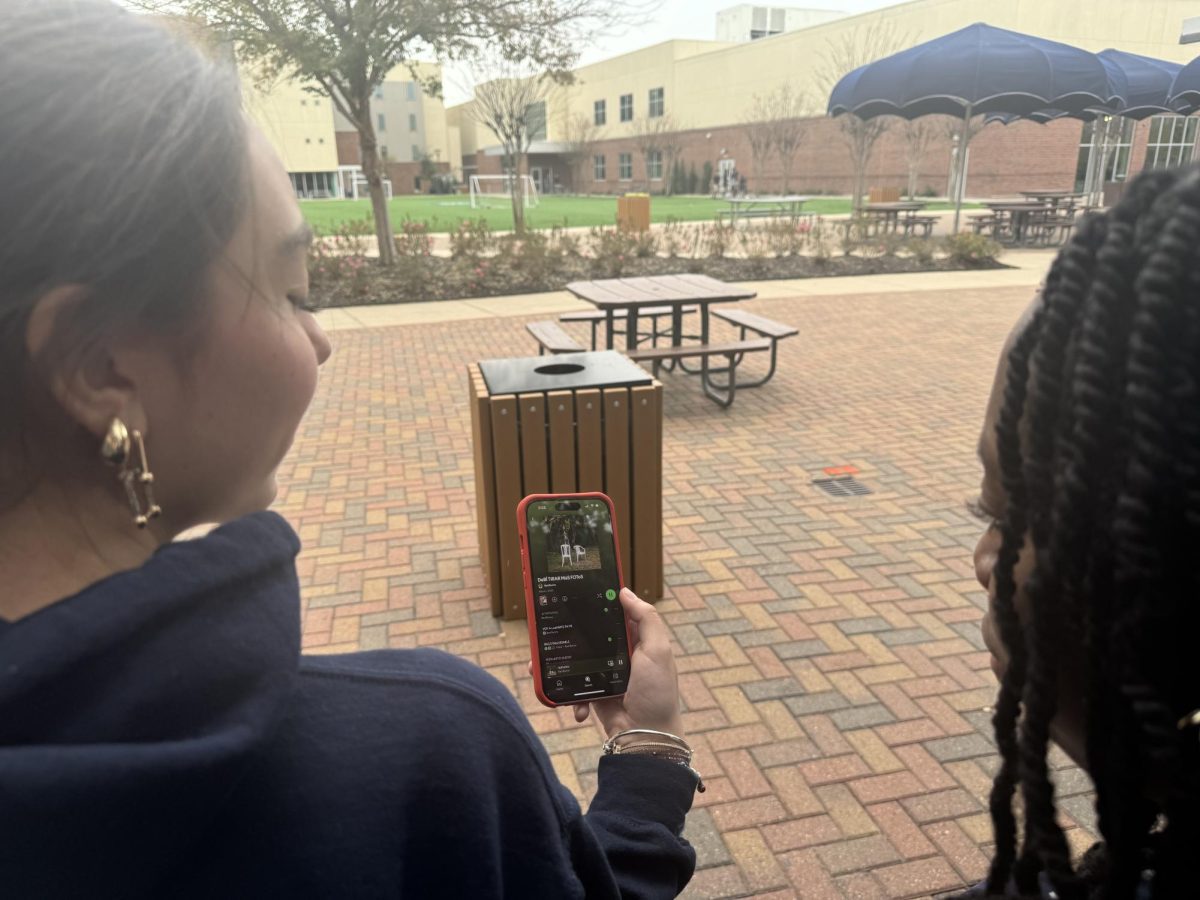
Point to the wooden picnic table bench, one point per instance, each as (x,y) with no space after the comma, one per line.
(627,297)
(719,392)
(766,328)
(550,336)
(596,317)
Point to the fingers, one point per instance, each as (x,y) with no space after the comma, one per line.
(652,632)
(581,711)
(529,668)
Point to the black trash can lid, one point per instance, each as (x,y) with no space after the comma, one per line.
(566,371)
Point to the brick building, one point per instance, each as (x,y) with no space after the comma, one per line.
(705,90)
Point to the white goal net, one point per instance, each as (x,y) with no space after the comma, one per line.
(489,190)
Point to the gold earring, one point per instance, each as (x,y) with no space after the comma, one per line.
(115,450)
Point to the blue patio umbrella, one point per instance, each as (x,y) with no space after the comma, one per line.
(1139,87)
(1185,90)
(977,70)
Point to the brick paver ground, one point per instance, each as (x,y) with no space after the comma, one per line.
(831,667)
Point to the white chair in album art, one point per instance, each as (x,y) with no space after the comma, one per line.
(565,549)
(580,553)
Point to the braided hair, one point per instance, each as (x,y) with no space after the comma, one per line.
(1098,439)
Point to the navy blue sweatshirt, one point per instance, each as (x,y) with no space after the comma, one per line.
(161,735)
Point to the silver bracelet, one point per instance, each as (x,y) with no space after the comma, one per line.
(677,750)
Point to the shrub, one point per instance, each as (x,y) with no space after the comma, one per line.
(414,239)
(971,249)
(820,242)
(693,180)
(611,249)
(717,239)
(922,250)
(645,244)
(472,239)
(706,179)
(786,237)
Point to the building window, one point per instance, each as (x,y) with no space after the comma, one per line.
(416,152)
(1118,153)
(656,103)
(383,152)
(410,90)
(304,103)
(599,167)
(412,121)
(627,107)
(382,122)
(654,165)
(379,92)
(600,112)
(625,164)
(1172,142)
(535,120)
(314,185)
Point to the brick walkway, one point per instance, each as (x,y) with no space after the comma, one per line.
(829,650)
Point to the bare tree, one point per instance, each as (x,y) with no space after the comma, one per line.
(960,134)
(510,101)
(343,49)
(579,134)
(919,134)
(757,125)
(852,49)
(657,135)
(787,107)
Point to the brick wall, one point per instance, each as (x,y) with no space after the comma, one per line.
(1004,160)
(349,153)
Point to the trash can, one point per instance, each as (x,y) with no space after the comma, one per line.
(568,423)
(633,212)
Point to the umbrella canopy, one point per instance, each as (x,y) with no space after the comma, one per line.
(1185,91)
(1140,86)
(979,69)
(1039,117)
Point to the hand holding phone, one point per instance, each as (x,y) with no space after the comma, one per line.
(652,698)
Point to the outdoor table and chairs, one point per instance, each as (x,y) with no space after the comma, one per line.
(1028,221)
(786,207)
(624,300)
(1054,199)
(901,217)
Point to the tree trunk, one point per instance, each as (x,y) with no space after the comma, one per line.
(518,197)
(914,173)
(785,164)
(373,172)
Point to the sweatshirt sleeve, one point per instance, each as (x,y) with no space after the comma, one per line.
(636,819)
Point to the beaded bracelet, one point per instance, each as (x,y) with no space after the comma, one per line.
(674,749)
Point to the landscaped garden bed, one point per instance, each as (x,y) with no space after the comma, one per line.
(482,264)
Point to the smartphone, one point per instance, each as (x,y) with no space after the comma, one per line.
(577,628)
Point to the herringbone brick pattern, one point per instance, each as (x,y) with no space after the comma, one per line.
(834,681)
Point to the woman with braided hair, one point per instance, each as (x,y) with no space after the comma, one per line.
(1091,491)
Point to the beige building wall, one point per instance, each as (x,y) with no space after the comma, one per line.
(298,124)
(709,84)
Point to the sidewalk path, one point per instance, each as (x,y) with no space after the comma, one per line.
(835,684)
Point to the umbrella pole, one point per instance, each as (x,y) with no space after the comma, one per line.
(961,169)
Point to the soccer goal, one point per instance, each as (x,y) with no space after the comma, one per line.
(490,190)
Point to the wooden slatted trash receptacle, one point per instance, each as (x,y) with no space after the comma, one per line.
(573,422)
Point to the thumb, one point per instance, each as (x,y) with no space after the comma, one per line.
(652,632)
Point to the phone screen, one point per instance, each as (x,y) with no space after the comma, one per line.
(580,625)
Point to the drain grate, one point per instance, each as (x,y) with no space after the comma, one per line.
(842,486)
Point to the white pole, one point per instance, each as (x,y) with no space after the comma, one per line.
(962,168)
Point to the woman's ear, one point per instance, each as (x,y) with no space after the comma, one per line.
(87,384)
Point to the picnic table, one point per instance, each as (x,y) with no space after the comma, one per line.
(1019,212)
(888,216)
(1053,199)
(625,297)
(763,207)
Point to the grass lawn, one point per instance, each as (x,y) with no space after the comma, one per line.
(443,213)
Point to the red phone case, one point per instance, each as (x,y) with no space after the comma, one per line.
(527,577)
